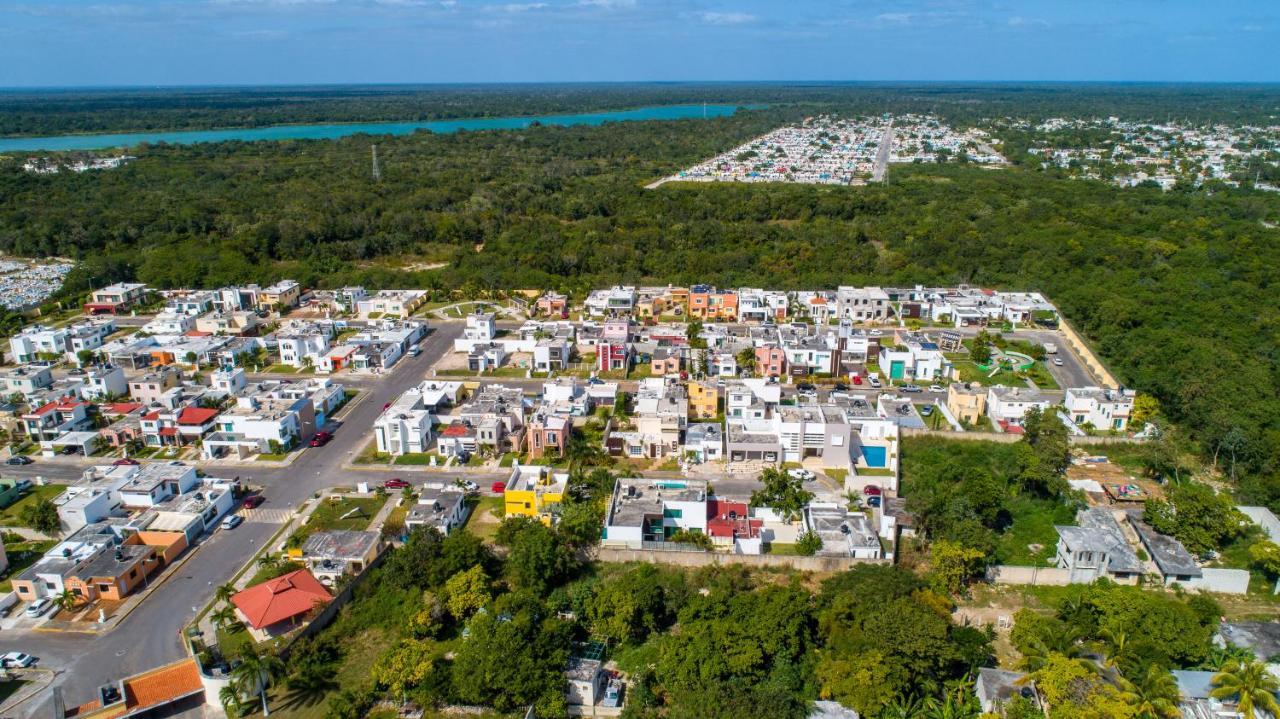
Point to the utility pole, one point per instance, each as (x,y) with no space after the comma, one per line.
(377,171)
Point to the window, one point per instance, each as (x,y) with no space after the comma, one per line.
(104,588)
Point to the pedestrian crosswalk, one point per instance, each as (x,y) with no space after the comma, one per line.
(265,516)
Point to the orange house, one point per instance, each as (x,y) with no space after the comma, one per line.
(708,303)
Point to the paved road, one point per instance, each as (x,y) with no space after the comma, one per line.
(150,635)
(882,157)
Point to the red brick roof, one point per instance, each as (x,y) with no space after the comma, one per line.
(279,599)
(719,523)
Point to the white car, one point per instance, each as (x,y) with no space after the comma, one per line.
(38,607)
(16,660)
(1057,361)
(936,388)
(803,475)
(469,486)
(232,521)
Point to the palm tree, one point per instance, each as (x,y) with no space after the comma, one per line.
(1113,649)
(255,673)
(229,696)
(225,592)
(1155,694)
(1067,644)
(1251,685)
(66,600)
(224,617)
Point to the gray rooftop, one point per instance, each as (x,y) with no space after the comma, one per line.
(1170,556)
(1099,532)
(340,544)
(636,498)
(841,531)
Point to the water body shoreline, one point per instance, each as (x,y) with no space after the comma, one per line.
(333,131)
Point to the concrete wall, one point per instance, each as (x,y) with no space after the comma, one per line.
(1010,438)
(1222,581)
(706,559)
(1045,576)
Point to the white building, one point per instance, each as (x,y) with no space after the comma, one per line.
(862,304)
(405,426)
(391,303)
(1104,409)
(651,510)
(1008,406)
(103,381)
(441,507)
(302,349)
(843,533)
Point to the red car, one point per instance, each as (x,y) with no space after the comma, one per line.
(498,487)
(385,406)
(253,500)
(321,439)
(396,483)
(871,490)
(856,379)
(126,462)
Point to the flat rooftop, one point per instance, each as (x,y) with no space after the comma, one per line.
(636,498)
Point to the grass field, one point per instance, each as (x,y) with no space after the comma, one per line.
(10,517)
(329,516)
(1033,522)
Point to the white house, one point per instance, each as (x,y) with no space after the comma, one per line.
(651,510)
(441,507)
(405,426)
(1105,409)
(103,381)
(1007,406)
(302,349)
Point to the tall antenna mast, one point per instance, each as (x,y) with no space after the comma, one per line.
(377,171)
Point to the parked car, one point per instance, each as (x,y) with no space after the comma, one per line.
(874,382)
(16,660)
(396,483)
(19,460)
(321,439)
(498,487)
(937,388)
(805,387)
(415,350)
(873,501)
(910,388)
(39,607)
(874,333)
(69,449)
(842,387)
(1057,361)
(857,380)
(803,475)
(469,486)
(926,410)
(231,521)
(125,462)
(872,490)
(386,406)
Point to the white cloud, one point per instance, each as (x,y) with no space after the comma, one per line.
(608,4)
(727,18)
(894,18)
(514,8)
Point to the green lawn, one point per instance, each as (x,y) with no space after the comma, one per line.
(419,460)
(1033,521)
(233,641)
(22,555)
(328,516)
(280,369)
(269,457)
(780,548)
(486,515)
(10,516)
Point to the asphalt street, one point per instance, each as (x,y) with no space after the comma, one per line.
(150,635)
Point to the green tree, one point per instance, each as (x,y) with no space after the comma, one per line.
(403,667)
(466,592)
(782,493)
(66,600)
(1196,515)
(42,516)
(537,560)
(952,565)
(1154,694)
(224,617)
(1251,685)
(629,607)
(808,544)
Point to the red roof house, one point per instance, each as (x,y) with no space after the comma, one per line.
(276,604)
(728,521)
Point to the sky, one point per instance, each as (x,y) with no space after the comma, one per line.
(201,42)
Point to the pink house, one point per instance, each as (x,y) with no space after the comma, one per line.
(771,362)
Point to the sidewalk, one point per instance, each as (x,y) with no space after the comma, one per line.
(39,680)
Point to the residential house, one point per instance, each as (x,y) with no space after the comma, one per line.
(405,426)
(104,381)
(1100,408)
(752,398)
(114,299)
(862,304)
(807,355)
(303,349)
(967,402)
(26,380)
(458,439)
(704,442)
(547,432)
(227,382)
(843,533)
(613,356)
(279,605)
(1172,559)
(497,414)
(154,483)
(177,428)
(189,302)
(771,361)
(150,387)
(285,293)
(334,553)
(913,357)
(400,304)
(551,355)
(722,364)
(709,303)
(666,361)
(170,323)
(534,492)
(552,304)
(614,302)
(1008,406)
(651,510)
(443,508)
(239,322)
(704,400)
(757,305)
(731,526)
(1097,548)
(486,357)
(56,418)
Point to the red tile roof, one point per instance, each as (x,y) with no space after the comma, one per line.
(456,429)
(123,407)
(279,599)
(196,415)
(720,523)
(152,416)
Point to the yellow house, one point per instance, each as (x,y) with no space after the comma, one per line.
(534,492)
(704,400)
(967,402)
